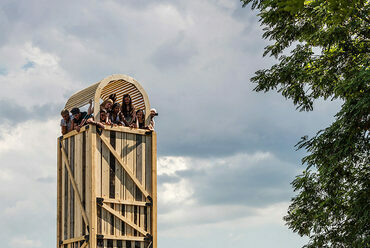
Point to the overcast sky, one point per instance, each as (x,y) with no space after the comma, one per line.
(226,154)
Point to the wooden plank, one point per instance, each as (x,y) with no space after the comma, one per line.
(140,175)
(73,240)
(72,188)
(66,193)
(118,168)
(98,161)
(126,202)
(98,180)
(84,245)
(88,186)
(131,238)
(123,218)
(112,188)
(74,132)
(105,184)
(148,163)
(118,184)
(148,177)
(92,160)
(129,167)
(129,184)
(59,193)
(67,166)
(78,178)
(124,196)
(129,130)
(154,189)
(85,186)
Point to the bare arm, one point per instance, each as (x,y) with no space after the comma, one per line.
(91,108)
(64,130)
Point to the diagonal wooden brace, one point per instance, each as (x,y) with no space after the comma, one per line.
(124,219)
(84,244)
(72,240)
(74,185)
(125,167)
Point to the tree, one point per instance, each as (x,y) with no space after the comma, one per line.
(329,59)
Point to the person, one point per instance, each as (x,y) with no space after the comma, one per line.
(128,111)
(103,116)
(66,121)
(107,105)
(153,113)
(140,119)
(81,119)
(116,116)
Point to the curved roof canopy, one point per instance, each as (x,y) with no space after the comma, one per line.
(117,83)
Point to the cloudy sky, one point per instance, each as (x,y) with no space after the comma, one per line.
(225,153)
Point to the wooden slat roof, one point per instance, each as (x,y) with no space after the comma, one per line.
(117,83)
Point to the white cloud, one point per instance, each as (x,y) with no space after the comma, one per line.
(34,77)
(28,152)
(170,164)
(24,242)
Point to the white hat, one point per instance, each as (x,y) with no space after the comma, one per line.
(153,109)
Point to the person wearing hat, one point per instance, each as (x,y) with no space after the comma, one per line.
(153,113)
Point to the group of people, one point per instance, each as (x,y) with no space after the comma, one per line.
(111,113)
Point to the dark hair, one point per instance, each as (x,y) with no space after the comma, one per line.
(116,105)
(140,110)
(64,112)
(124,106)
(75,111)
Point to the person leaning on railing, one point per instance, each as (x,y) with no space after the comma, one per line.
(66,121)
(81,119)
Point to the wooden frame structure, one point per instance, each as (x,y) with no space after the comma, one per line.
(107,181)
(117,83)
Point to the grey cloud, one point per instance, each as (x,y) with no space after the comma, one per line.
(48,179)
(173,53)
(12,113)
(240,182)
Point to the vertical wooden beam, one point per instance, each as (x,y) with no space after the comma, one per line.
(154,188)
(59,193)
(92,152)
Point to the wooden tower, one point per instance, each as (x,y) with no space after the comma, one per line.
(107,180)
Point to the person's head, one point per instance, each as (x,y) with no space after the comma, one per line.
(103,115)
(153,112)
(107,104)
(76,113)
(126,99)
(126,104)
(116,107)
(65,114)
(140,114)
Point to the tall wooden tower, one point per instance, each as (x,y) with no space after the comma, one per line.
(107,179)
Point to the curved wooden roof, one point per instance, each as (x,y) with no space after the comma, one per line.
(117,83)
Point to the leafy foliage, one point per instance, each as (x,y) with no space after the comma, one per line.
(330,60)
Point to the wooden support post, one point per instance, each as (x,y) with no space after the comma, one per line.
(154,188)
(59,194)
(92,152)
